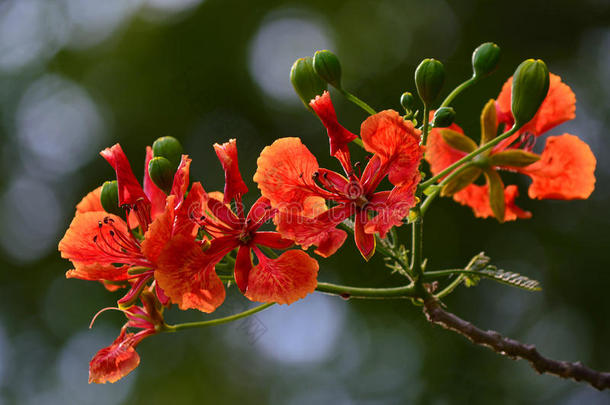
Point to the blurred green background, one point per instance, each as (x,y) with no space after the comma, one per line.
(77,76)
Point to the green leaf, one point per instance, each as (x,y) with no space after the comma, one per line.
(508,277)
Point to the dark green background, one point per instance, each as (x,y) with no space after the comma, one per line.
(188,74)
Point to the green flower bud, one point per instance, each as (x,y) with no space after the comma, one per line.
(443,117)
(327,66)
(530,87)
(429,78)
(161,172)
(307,84)
(169,148)
(485,59)
(109,197)
(407,101)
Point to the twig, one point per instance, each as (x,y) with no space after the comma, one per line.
(514,349)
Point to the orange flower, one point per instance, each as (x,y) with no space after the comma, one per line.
(290,177)
(564,170)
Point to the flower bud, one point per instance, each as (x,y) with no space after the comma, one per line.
(429,78)
(443,117)
(327,66)
(485,59)
(161,172)
(109,197)
(530,87)
(169,148)
(307,84)
(408,102)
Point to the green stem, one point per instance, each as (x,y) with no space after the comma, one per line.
(449,289)
(457,91)
(426,204)
(357,101)
(425,126)
(469,156)
(417,246)
(357,292)
(218,321)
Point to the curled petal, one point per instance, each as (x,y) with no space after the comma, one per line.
(98,272)
(114,362)
(181,179)
(330,243)
(477,198)
(159,232)
(130,191)
(396,141)
(391,209)
(438,152)
(558,107)
(243,266)
(565,171)
(191,209)
(234,184)
(339,137)
(284,280)
(285,171)
(91,202)
(364,241)
(186,275)
(154,193)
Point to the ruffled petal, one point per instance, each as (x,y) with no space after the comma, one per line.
(308,231)
(396,141)
(477,198)
(98,272)
(330,243)
(88,240)
(190,210)
(91,202)
(187,276)
(391,209)
(284,174)
(234,184)
(438,153)
(114,362)
(159,232)
(565,171)
(558,107)
(154,193)
(338,136)
(284,280)
(130,191)
(181,179)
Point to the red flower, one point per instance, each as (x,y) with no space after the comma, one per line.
(283,280)
(289,176)
(97,241)
(564,170)
(114,362)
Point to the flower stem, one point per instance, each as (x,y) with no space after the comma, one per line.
(357,292)
(425,126)
(357,101)
(417,246)
(452,286)
(469,156)
(218,321)
(457,91)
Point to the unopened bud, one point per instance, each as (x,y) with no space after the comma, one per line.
(429,78)
(161,172)
(327,66)
(530,87)
(306,82)
(485,59)
(407,101)
(169,148)
(443,117)
(109,197)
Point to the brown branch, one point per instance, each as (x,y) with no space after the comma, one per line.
(514,349)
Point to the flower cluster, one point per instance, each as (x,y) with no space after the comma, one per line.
(163,241)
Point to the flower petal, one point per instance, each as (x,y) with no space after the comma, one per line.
(396,141)
(114,362)
(154,193)
(98,272)
(477,198)
(284,280)
(330,243)
(285,171)
(181,179)
(159,232)
(392,209)
(234,184)
(558,107)
(273,240)
(190,210)
(91,202)
(187,276)
(438,152)
(565,171)
(243,266)
(364,241)
(130,190)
